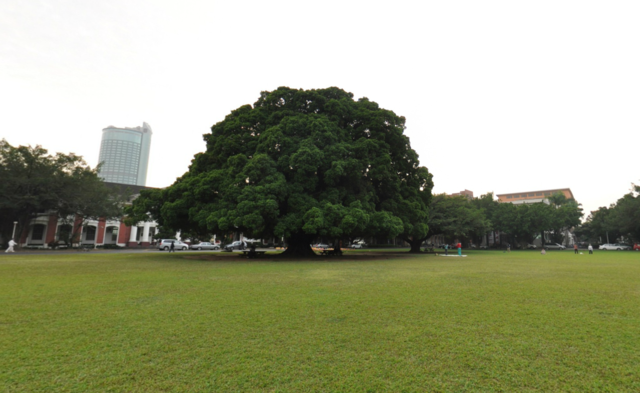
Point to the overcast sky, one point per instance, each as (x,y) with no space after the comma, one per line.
(502,96)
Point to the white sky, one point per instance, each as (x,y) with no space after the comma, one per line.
(501,96)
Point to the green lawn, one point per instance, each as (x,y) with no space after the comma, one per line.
(179,322)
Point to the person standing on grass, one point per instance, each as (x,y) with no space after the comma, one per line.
(172,248)
(446,249)
(11,245)
(590,248)
(543,252)
(459,245)
(575,248)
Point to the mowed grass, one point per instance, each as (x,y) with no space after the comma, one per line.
(179,322)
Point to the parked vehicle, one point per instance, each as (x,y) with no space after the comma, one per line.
(554,246)
(205,246)
(531,246)
(165,244)
(320,245)
(615,246)
(237,245)
(636,246)
(356,245)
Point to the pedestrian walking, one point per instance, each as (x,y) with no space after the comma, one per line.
(459,249)
(575,248)
(172,248)
(11,245)
(590,248)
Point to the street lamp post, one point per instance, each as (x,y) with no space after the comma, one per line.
(13,234)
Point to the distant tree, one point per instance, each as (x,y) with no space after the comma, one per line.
(505,219)
(522,223)
(567,214)
(536,218)
(488,205)
(34,181)
(163,233)
(456,217)
(300,164)
(626,214)
(600,225)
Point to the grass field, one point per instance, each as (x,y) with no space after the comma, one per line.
(156,322)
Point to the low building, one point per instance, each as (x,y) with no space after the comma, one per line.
(467,193)
(47,230)
(533,196)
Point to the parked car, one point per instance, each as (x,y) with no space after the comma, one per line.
(165,244)
(615,246)
(320,245)
(237,245)
(554,246)
(531,246)
(636,246)
(356,245)
(205,246)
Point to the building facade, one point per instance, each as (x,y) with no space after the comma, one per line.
(533,196)
(124,154)
(48,230)
(466,193)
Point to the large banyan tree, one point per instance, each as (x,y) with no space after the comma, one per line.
(301,164)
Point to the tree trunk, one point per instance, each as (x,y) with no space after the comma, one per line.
(415,245)
(299,246)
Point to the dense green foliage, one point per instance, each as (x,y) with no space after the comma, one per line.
(621,219)
(154,322)
(457,218)
(300,164)
(522,223)
(34,181)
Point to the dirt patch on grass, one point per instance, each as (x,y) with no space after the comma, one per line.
(276,257)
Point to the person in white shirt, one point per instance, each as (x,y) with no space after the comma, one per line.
(11,244)
(590,248)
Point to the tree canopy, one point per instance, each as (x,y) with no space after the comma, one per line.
(620,219)
(300,164)
(523,222)
(34,181)
(456,217)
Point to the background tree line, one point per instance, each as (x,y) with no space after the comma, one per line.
(619,220)
(34,182)
(470,220)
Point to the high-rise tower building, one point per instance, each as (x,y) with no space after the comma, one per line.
(124,154)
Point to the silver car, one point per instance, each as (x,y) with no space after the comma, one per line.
(554,246)
(165,244)
(205,246)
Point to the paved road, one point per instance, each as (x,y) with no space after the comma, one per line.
(111,251)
